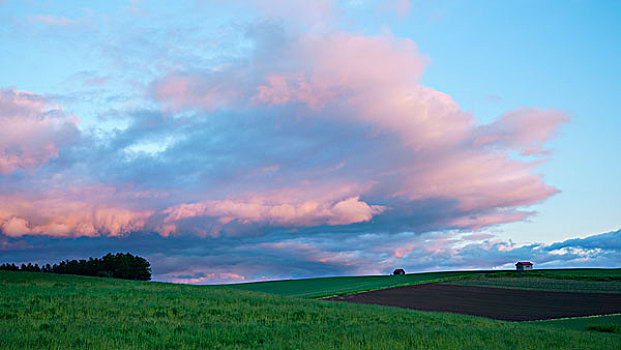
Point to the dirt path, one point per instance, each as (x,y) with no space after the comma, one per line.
(497,303)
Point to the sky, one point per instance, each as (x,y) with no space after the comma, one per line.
(237,141)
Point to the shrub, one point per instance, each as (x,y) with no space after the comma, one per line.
(606,328)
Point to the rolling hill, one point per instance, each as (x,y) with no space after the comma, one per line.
(47,311)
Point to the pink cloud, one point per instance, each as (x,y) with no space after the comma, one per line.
(311,13)
(277,209)
(475,222)
(211,277)
(15,227)
(281,90)
(524,129)
(51,20)
(73,212)
(493,98)
(341,65)
(477,236)
(479,180)
(401,8)
(375,82)
(32,130)
(402,251)
(378,79)
(410,143)
(504,246)
(179,92)
(314,252)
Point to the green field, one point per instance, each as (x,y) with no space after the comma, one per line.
(331,286)
(565,274)
(561,280)
(580,323)
(47,311)
(545,284)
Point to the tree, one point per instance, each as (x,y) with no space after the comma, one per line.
(119,265)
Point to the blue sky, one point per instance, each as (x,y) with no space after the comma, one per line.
(251,135)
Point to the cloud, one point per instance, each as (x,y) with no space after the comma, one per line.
(179,92)
(401,8)
(318,13)
(277,213)
(203,278)
(209,260)
(326,131)
(524,129)
(55,21)
(32,130)
(609,241)
(493,98)
(308,151)
(284,144)
(421,145)
(88,211)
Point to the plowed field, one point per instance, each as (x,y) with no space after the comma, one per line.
(497,303)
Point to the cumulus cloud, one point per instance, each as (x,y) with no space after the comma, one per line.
(32,130)
(525,130)
(310,131)
(313,213)
(179,92)
(421,145)
(308,140)
(88,211)
(51,199)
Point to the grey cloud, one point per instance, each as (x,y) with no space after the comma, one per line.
(324,254)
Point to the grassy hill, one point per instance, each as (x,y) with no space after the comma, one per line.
(47,311)
(581,323)
(332,286)
(565,274)
(566,280)
(592,280)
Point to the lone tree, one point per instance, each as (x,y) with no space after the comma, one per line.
(398,272)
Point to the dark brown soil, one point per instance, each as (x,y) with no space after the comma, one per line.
(498,303)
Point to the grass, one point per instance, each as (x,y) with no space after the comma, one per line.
(545,284)
(603,275)
(333,286)
(606,328)
(581,323)
(46,311)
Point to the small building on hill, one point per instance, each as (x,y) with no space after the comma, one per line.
(524,266)
(399,272)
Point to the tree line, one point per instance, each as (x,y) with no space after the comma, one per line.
(119,265)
